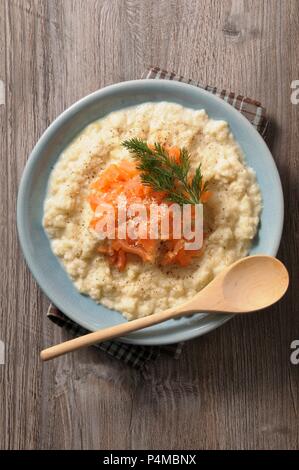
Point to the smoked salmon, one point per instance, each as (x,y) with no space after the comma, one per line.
(123,179)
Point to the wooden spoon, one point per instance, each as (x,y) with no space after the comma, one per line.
(248,285)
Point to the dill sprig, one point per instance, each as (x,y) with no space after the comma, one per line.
(163,173)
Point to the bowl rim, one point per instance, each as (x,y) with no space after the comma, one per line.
(67,114)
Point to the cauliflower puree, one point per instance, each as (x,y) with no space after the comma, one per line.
(231,215)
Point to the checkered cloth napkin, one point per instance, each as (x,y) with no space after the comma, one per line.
(133,355)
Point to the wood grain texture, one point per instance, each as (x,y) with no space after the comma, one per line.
(232,389)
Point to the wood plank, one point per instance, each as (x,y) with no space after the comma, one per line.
(3,232)
(234,388)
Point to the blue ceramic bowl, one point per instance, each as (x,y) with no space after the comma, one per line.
(46,268)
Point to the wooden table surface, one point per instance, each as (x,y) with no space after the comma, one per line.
(232,389)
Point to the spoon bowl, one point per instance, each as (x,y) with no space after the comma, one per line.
(262,283)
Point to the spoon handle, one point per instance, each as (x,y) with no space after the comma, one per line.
(248,285)
(106,334)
